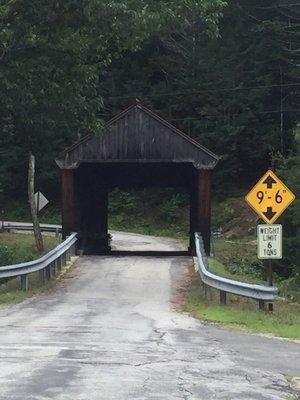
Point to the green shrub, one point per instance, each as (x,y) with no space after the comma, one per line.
(6,256)
(247,266)
(222,213)
(167,210)
(121,201)
(289,288)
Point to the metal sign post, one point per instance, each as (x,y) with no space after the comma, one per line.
(269,198)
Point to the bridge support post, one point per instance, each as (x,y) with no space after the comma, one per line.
(200,209)
(94,237)
(68,202)
(204,207)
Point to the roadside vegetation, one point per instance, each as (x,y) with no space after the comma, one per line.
(16,248)
(150,211)
(242,314)
(10,292)
(20,247)
(20,212)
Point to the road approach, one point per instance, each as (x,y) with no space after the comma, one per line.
(111,332)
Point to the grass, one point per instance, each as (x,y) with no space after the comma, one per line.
(147,225)
(242,314)
(237,259)
(10,292)
(218,268)
(20,212)
(21,246)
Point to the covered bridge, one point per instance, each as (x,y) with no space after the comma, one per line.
(138,149)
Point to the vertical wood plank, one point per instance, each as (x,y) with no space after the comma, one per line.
(68,202)
(193,218)
(94,213)
(204,207)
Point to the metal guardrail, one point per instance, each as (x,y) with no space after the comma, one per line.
(262,293)
(27,226)
(47,265)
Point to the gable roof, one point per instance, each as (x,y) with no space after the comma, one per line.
(137,134)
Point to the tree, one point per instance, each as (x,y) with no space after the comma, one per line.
(53,55)
(235,93)
(33,208)
(289,170)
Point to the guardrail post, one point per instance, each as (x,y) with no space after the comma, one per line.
(57,265)
(59,262)
(53,269)
(42,276)
(48,272)
(57,233)
(73,250)
(261,305)
(68,255)
(223,297)
(24,282)
(207,292)
(64,260)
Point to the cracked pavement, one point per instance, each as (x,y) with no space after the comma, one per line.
(110,331)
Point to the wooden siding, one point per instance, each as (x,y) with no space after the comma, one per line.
(138,135)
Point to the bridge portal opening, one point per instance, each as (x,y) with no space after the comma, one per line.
(137,150)
(158,213)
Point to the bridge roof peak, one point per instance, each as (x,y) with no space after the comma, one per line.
(137,134)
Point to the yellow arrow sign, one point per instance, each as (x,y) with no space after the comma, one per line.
(269,197)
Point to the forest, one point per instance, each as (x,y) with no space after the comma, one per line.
(225,72)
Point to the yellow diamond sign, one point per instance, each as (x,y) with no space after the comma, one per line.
(270,197)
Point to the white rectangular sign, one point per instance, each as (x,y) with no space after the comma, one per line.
(269,241)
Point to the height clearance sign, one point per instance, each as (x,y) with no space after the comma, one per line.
(269,197)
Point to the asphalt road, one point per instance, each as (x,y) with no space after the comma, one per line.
(111,332)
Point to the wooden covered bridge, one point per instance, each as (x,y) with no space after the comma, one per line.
(139,149)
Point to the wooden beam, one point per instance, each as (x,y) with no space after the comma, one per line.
(93,234)
(193,217)
(68,202)
(204,207)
